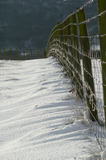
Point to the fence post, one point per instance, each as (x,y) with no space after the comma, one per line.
(76,56)
(44,54)
(16,54)
(70,57)
(4,53)
(63,43)
(31,54)
(67,47)
(11,53)
(101,5)
(38,54)
(23,54)
(87,68)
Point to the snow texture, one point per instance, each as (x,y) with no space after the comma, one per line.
(39,118)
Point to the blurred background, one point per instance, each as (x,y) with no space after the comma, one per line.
(28,23)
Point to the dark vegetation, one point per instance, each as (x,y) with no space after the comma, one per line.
(28,23)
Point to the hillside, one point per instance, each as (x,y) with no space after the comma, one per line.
(27,24)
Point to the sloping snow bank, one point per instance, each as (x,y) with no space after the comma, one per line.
(39,118)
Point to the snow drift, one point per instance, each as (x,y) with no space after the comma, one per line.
(39,118)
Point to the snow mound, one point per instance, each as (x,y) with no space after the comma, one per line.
(39,118)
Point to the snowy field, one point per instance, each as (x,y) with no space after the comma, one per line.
(39,118)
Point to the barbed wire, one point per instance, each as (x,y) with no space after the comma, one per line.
(61,44)
(84,5)
(76,24)
(55,46)
(100,142)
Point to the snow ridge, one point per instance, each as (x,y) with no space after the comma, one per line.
(39,118)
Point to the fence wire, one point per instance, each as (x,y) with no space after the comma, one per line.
(66,43)
(21,54)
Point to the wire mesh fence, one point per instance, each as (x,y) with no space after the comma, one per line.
(21,54)
(83,54)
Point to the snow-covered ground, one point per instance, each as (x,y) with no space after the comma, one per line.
(39,118)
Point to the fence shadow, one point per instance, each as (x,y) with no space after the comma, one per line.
(83,56)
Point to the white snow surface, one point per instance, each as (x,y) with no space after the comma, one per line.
(39,118)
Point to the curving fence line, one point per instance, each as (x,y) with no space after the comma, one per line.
(21,54)
(83,55)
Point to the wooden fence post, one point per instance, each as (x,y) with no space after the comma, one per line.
(23,54)
(76,56)
(44,54)
(16,54)
(101,5)
(87,68)
(4,53)
(70,57)
(63,44)
(11,53)
(38,54)
(67,49)
(31,54)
